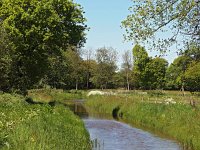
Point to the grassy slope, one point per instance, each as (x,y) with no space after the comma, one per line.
(24,126)
(180,121)
(48,95)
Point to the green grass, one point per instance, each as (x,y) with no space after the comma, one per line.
(30,127)
(179,121)
(48,95)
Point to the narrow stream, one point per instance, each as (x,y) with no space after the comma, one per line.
(109,134)
(114,135)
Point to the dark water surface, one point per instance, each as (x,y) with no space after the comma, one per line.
(109,134)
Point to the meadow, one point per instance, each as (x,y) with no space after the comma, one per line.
(167,112)
(39,126)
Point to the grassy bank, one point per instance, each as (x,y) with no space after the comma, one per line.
(25,126)
(49,95)
(180,121)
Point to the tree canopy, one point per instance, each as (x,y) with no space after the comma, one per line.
(192,77)
(148,17)
(140,60)
(38,30)
(155,73)
(106,67)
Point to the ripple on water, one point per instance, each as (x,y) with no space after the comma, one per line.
(113,135)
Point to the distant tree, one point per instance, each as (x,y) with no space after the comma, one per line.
(119,79)
(127,67)
(155,71)
(76,66)
(192,77)
(140,60)
(58,75)
(192,51)
(88,65)
(39,30)
(89,71)
(106,67)
(175,73)
(151,16)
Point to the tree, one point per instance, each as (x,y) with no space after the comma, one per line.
(175,73)
(88,66)
(192,77)
(39,30)
(58,75)
(155,73)
(127,66)
(193,51)
(106,67)
(140,60)
(76,66)
(5,60)
(151,16)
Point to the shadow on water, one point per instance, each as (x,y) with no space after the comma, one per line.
(77,106)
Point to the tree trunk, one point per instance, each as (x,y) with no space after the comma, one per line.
(127,80)
(76,85)
(87,80)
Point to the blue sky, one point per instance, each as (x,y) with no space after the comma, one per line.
(104,19)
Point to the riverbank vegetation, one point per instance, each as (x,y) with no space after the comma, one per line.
(39,126)
(41,50)
(173,117)
(37,51)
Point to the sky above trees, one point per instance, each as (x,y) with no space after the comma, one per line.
(104,19)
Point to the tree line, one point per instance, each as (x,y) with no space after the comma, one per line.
(40,46)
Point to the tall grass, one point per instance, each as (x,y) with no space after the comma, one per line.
(48,95)
(24,126)
(179,121)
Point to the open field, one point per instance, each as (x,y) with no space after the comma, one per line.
(25,126)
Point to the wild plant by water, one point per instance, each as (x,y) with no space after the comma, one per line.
(179,120)
(24,126)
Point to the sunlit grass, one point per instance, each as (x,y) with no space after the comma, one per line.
(49,95)
(24,126)
(180,121)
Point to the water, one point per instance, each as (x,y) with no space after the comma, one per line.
(113,135)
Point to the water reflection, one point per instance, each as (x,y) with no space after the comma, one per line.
(109,134)
(114,135)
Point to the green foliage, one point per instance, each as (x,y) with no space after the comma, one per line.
(155,93)
(155,73)
(5,60)
(193,51)
(192,77)
(49,95)
(175,72)
(179,121)
(140,60)
(149,17)
(106,67)
(76,65)
(39,30)
(24,126)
